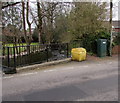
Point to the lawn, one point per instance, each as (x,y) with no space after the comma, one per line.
(20,49)
(22,44)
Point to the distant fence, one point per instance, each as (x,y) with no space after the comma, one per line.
(18,56)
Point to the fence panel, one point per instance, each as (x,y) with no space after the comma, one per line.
(26,55)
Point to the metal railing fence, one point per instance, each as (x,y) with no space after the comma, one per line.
(18,56)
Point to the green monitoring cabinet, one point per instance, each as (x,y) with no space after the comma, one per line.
(101,47)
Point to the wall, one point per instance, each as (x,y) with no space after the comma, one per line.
(116,49)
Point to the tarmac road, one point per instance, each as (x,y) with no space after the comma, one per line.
(73,81)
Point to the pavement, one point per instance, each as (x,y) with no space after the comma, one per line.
(95,79)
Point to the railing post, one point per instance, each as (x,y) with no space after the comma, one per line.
(27,55)
(14,58)
(47,52)
(8,57)
(67,50)
(3,53)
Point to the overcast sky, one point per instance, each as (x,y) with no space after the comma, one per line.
(115,9)
(115,4)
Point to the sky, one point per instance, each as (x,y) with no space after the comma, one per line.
(115,5)
(116,11)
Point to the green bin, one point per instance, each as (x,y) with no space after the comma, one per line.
(101,47)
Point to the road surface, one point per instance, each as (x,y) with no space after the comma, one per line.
(73,81)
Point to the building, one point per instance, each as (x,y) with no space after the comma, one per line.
(116,26)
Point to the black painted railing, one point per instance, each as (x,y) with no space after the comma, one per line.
(18,56)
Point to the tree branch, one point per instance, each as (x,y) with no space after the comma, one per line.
(10,5)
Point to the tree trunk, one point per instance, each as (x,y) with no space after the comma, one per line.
(28,22)
(24,27)
(39,21)
(39,37)
(24,24)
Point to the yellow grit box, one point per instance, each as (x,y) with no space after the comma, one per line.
(78,54)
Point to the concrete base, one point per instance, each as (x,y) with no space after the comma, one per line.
(36,66)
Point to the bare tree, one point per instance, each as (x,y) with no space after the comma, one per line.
(39,21)
(24,24)
(50,15)
(7,4)
(28,22)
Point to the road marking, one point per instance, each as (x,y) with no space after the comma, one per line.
(28,74)
(44,71)
(85,66)
(98,64)
(70,68)
(49,70)
(8,77)
(110,62)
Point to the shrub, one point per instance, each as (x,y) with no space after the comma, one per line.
(89,41)
(116,39)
